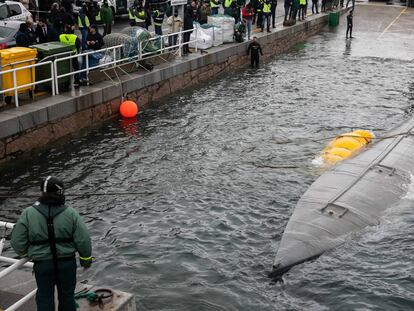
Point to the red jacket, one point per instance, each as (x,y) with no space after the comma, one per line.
(247,14)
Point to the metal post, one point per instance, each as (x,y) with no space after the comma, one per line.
(13,267)
(12,261)
(180,45)
(16,94)
(22,301)
(52,76)
(7,225)
(139,50)
(87,68)
(196,38)
(56,76)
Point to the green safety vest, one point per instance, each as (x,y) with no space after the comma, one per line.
(69,39)
(98,17)
(87,24)
(140,17)
(214,4)
(227,3)
(302,2)
(266,8)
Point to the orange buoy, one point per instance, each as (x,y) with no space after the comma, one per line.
(128,109)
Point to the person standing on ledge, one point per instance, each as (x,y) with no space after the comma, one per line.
(349,24)
(50,233)
(254,50)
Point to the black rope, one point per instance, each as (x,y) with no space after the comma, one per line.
(31,196)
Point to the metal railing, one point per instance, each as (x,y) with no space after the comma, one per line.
(15,264)
(119,55)
(15,89)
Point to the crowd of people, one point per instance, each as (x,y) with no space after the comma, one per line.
(60,17)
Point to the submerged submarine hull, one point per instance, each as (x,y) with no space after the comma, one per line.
(350,196)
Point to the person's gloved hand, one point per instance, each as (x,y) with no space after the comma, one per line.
(85,262)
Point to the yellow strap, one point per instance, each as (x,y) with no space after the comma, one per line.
(85,258)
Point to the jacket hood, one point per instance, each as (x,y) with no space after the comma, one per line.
(44,209)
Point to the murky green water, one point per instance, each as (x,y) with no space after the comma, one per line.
(204,231)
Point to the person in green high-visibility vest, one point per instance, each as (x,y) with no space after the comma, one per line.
(68,37)
(51,233)
(267,12)
(214,5)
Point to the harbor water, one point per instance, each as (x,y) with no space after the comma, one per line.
(218,170)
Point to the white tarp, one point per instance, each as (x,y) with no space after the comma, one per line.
(204,41)
(216,33)
(226,23)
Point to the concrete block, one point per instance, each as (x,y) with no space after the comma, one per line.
(9,124)
(132,83)
(110,90)
(31,116)
(88,98)
(60,107)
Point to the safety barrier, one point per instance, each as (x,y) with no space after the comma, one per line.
(116,52)
(15,89)
(117,59)
(15,264)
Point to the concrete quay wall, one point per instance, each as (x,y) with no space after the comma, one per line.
(35,125)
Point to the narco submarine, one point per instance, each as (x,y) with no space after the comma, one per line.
(350,196)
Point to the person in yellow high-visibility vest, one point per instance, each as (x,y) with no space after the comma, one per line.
(140,16)
(214,5)
(83,24)
(267,12)
(227,7)
(131,15)
(303,9)
(69,38)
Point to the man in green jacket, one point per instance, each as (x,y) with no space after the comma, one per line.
(107,17)
(50,233)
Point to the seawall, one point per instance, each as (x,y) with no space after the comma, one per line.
(37,124)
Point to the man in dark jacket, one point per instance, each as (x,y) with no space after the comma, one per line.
(254,49)
(188,25)
(349,24)
(273,12)
(50,233)
(94,40)
(44,32)
(22,38)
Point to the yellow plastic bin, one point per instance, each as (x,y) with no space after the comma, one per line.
(14,58)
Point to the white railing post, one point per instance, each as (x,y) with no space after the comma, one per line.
(196,38)
(87,67)
(56,76)
(52,76)
(12,261)
(22,301)
(180,41)
(16,93)
(13,267)
(7,225)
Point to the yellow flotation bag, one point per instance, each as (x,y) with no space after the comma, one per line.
(346,145)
